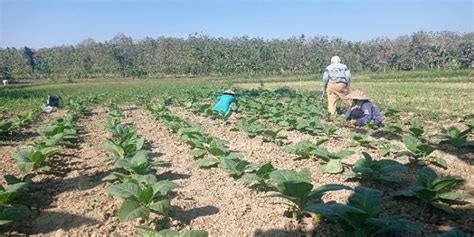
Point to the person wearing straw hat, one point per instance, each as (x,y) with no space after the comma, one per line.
(336,79)
(225,101)
(362,110)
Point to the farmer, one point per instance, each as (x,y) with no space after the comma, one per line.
(336,79)
(52,103)
(225,101)
(362,110)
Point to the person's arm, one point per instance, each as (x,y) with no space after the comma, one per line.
(325,80)
(348,76)
(367,109)
(348,113)
(376,116)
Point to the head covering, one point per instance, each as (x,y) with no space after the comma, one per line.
(335,59)
(230,92)
(357,95)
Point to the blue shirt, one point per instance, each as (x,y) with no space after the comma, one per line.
(364,113)
(224,102)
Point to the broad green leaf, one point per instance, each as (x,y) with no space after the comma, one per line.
(124,190)
(368,200)
(206,163)
(198,152)
(452,196)
(163,187)
(13,213)
(443,207)
(332,167)
(161,206)
(146,195)
(447,183)
(131,210)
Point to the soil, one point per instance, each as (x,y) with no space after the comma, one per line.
(71,200)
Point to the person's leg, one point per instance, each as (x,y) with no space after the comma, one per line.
(332,97)
(341,90)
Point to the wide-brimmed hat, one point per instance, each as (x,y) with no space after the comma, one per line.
(230,92)
(357,95)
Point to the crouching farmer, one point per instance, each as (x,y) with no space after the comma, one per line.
(362,110)
(52,103)
(225,101)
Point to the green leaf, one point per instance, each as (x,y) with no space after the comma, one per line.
(13,213)
(443,207)
(124,190)
(131,210)
(281,176)
(161,206)
(206,163)
(198,152)
(452,196)
(332,167)
(321,190)
(368,200)
(146,195)
(447,183)
(439,162)
(163,187)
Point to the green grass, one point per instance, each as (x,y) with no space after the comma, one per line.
(433,99)
(436,97)
(15,99)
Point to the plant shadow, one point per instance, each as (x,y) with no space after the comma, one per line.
(186,216)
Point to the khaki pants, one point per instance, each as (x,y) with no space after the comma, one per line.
(335,91)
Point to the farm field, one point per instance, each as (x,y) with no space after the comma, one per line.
(147,153)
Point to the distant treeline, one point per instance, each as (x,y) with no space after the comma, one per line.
(200,55)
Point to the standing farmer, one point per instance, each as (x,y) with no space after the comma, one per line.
(225,101)
(336,79)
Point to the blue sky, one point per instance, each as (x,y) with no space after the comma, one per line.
(46,23)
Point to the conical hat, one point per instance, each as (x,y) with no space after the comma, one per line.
(358,95)
(231,92)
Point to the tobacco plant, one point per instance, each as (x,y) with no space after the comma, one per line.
(140,200)
(377,170)
(333,159)
(433,190)
(297,188)
(260,179)
(360,217)
(147,232)
(422,151)
(457,138)
(34,159)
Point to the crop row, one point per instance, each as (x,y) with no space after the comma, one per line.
(60,132)
(296,186)
(430,188)
(137,184)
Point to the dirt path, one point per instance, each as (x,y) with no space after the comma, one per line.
(209,199)
(72,198)
(254,150)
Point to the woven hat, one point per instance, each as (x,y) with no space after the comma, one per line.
(358,95)
(230,92)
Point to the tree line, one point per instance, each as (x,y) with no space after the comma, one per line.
(201,55)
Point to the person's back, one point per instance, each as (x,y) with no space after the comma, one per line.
(338,73)
(224,102)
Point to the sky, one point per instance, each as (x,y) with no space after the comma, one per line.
(47,23)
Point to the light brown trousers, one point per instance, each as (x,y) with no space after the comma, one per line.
(337,91)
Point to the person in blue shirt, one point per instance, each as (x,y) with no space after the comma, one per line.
(225,101)
(362,110)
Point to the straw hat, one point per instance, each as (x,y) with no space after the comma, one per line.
(230,92)
(358,95)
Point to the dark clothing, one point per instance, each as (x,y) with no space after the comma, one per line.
(53,101)
(364,113)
